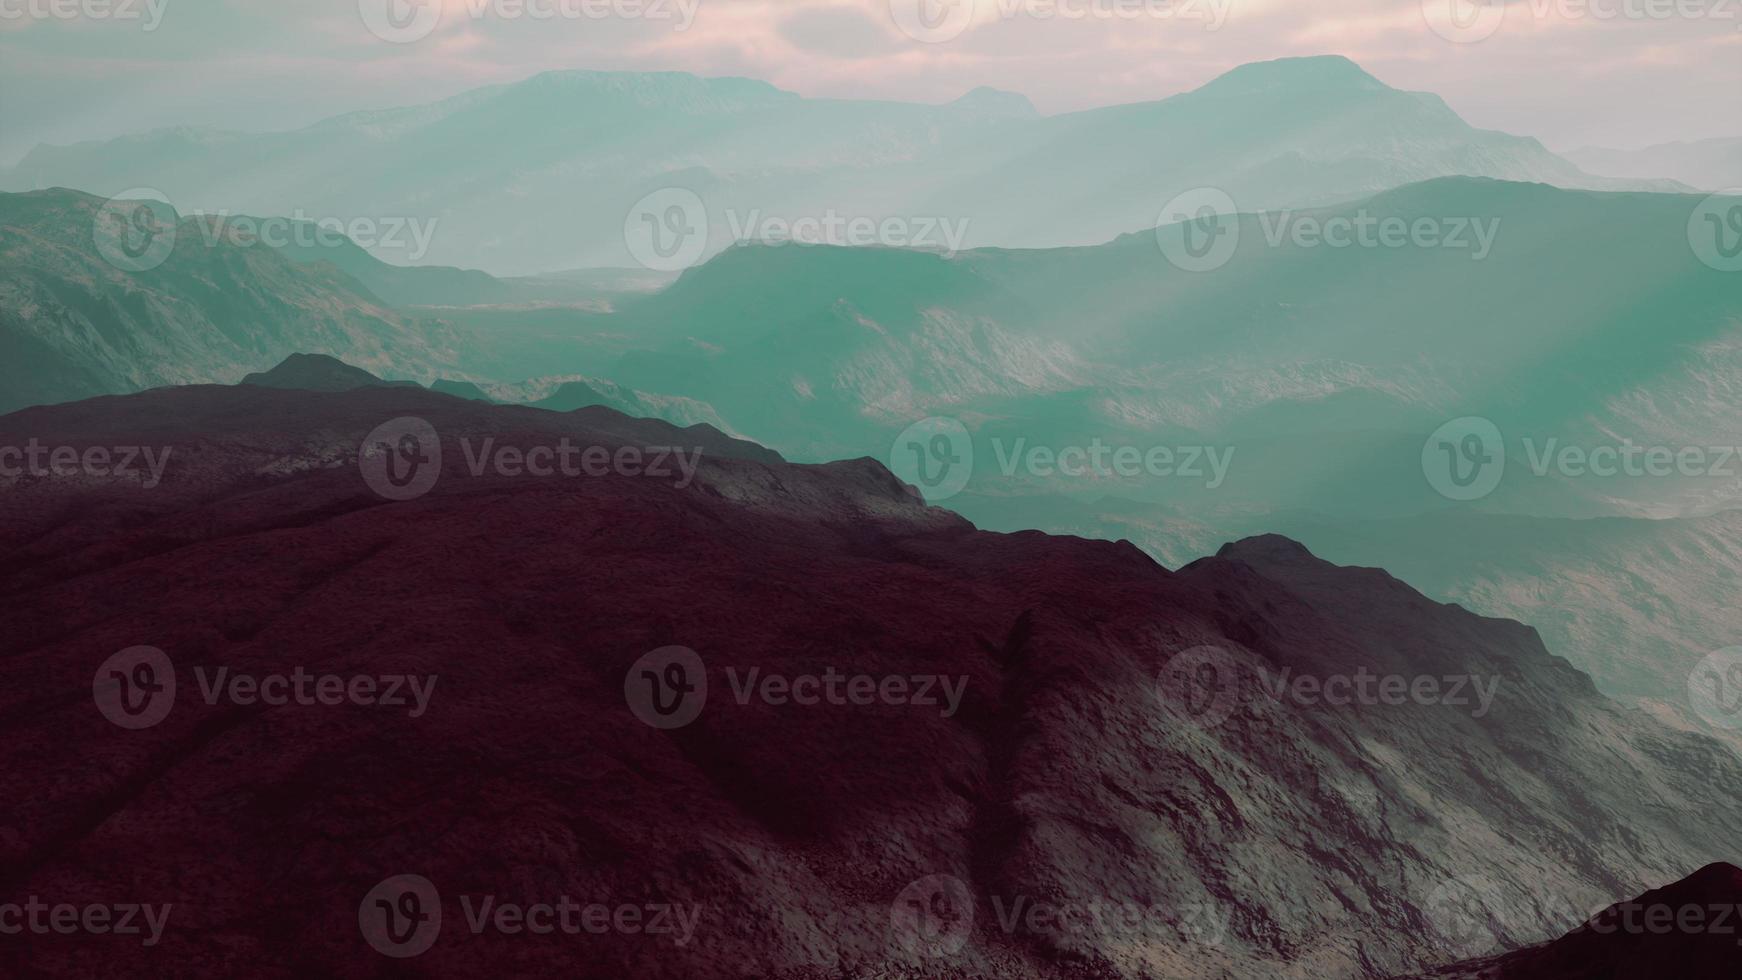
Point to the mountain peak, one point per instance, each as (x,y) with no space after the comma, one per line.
(1717,882)
(1268,548)
(1665,932)
(997,102)
(315,372)
(1314,73)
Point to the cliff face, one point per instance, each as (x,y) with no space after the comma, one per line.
(892,745)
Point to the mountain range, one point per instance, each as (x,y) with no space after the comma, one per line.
(1327,368)
(216,306)
(1713,164)
(541,175)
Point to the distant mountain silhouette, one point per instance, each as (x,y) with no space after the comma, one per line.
(501,168)
(461,389)
(317,372)
(1714,164)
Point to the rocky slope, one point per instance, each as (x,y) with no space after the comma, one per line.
(1166,808)
(1636,603)
(75,322)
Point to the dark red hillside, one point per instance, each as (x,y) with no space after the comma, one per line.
(892,836)
(1691,930)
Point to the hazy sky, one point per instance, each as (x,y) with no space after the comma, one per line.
(1614,72)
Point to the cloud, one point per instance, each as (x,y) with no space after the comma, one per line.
(842,32)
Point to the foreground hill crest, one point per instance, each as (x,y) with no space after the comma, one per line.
(1074,771)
